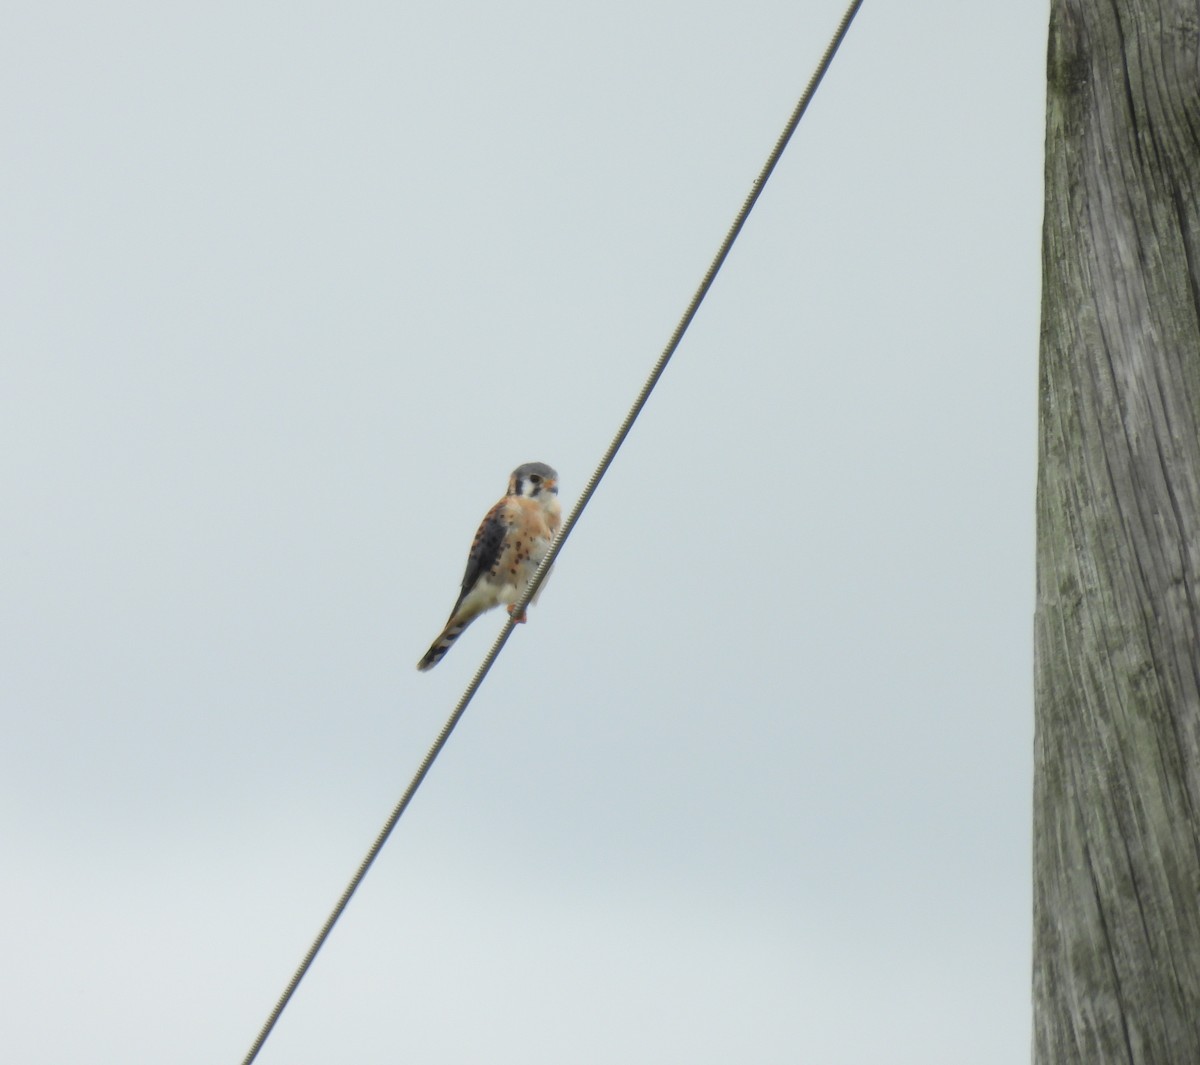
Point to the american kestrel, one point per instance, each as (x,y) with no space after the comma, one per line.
(508,548)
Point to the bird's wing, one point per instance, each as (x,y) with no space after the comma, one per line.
(485,548)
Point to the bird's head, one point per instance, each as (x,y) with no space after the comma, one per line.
(534,480)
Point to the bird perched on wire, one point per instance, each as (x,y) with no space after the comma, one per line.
(508,548)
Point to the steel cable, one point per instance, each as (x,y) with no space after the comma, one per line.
(565,531)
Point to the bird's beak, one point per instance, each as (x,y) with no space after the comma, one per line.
(551,486)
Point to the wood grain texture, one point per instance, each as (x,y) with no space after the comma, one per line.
(1116,974)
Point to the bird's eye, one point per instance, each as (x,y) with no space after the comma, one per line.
(536,478)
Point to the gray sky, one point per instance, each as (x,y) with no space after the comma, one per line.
(287,292)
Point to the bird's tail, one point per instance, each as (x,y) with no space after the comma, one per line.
(437,650)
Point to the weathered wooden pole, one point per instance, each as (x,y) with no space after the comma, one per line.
(1116,971)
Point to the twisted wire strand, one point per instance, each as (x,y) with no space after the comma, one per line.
(565,530)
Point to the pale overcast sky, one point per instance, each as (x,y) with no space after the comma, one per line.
(287,291)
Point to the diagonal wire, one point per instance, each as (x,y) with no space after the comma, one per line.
(540,575)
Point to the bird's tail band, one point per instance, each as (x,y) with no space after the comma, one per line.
(439,647)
